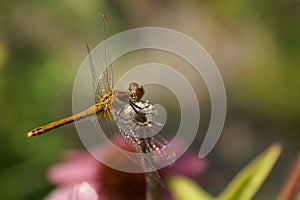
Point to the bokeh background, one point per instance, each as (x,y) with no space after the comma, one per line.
(256,45)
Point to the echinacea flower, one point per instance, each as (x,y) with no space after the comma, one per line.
(81,176)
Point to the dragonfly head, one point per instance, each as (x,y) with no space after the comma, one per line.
(136,91)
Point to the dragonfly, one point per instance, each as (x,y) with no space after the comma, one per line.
(122,114)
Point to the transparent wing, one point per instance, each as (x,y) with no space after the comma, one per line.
(124,116)
(99,59)
(105,82)
(124,141)
(132,144)
(162,151)
(92,68)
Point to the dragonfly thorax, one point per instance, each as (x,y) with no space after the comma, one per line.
(139,112)
(106,102)
(142,113)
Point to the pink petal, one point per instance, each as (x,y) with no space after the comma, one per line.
(83,191)
(60,193)
(189,164)
(78,168)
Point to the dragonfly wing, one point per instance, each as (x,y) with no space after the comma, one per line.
(162,152)
(157,152)
(92,68)
(99,60)
(126,143)
(105,82)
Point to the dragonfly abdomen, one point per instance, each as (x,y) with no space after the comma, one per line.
(51,126)
(95,109)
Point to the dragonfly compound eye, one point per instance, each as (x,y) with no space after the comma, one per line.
(136,91)
(139,92)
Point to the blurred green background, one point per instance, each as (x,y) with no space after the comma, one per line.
(256,45)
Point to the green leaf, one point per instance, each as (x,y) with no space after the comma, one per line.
(248,181)
(183,188)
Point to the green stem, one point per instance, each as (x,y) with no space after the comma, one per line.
(152,188)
